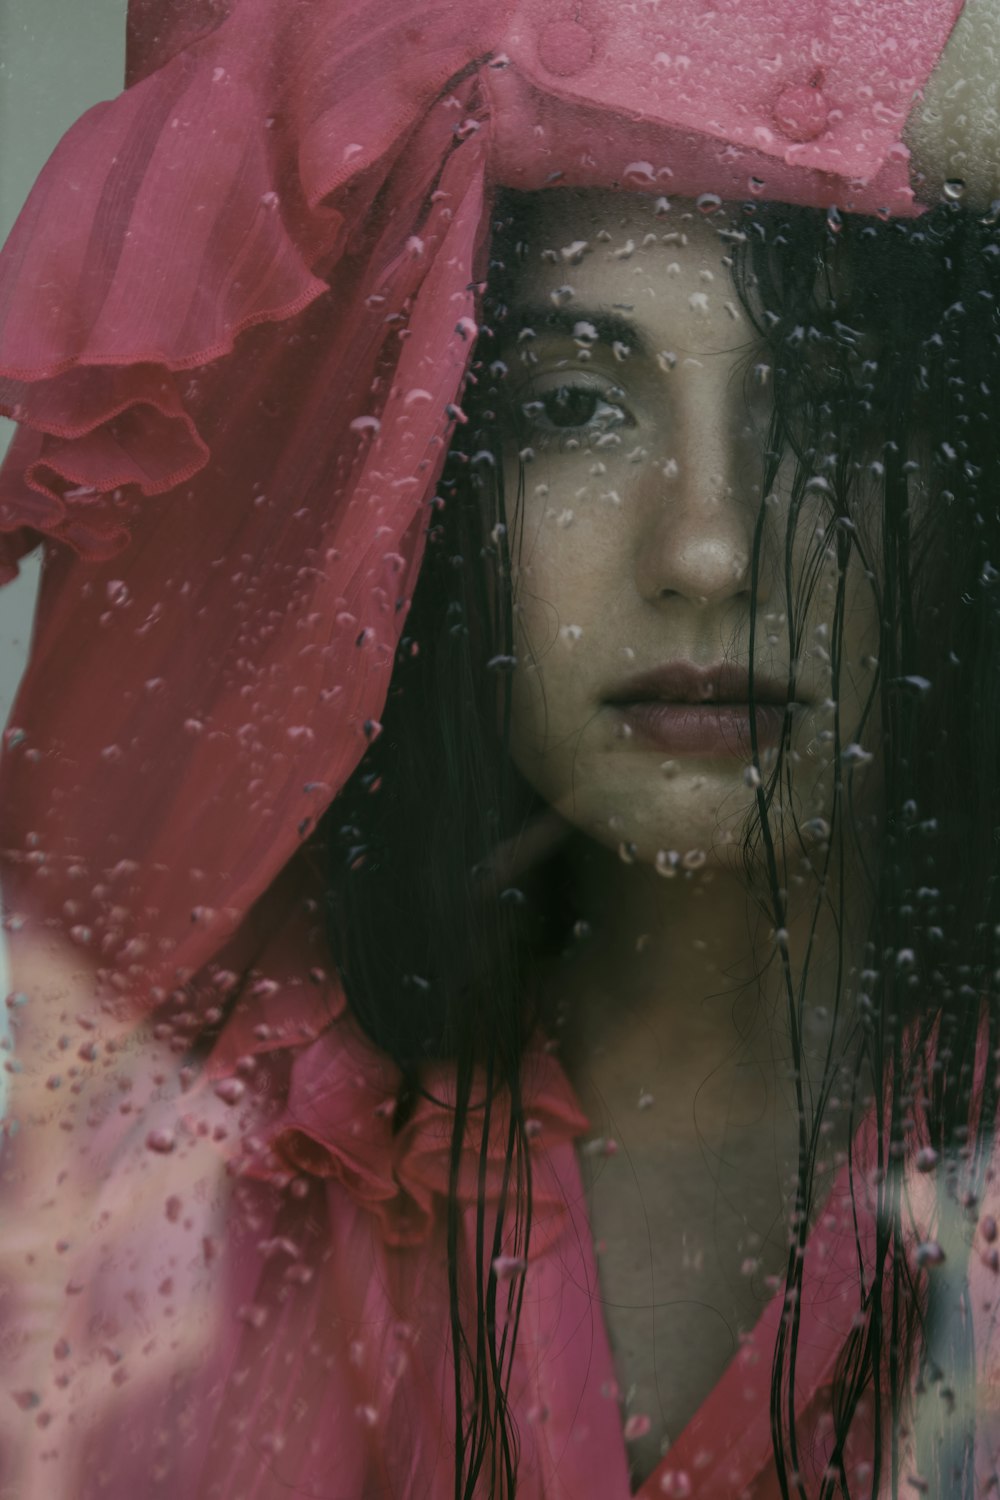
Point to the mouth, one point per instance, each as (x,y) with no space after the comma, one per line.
(682,708)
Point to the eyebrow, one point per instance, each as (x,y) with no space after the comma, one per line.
(610,326)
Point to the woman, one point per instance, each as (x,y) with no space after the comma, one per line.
(789,896)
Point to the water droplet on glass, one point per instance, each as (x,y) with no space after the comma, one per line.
(369,425)
(676,1484)
(162,1141)
(640,174)
(637,1426)
(506,1267)
(600,1146)
(230,1090)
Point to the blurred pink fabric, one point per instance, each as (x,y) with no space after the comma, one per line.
(228,447)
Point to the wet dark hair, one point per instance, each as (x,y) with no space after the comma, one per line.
(883,342)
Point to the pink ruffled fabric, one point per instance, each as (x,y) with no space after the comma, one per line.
(235,317)
(337,1362)
(331,1374)
(339,1123)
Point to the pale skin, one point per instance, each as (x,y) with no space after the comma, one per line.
(667,1044)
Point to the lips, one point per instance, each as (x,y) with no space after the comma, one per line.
(683,682)
(681,708)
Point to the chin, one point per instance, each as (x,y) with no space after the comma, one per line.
(688,820)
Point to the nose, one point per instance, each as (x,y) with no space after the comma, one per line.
(699,510)
(699,551)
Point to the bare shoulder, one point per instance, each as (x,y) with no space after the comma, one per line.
(954,130)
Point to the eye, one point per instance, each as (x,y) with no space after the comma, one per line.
(568,408)
(571,405)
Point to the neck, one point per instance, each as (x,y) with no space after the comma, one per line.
(680,989)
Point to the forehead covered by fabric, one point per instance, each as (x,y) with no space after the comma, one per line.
(235,317)
(806,99)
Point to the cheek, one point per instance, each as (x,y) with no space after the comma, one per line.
(564,634)
(564,586)
(546,683)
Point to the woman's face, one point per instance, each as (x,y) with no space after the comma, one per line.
(630,361)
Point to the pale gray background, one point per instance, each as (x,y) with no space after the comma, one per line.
(57,58)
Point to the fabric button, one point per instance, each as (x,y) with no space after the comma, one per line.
(801,113)
(565,48)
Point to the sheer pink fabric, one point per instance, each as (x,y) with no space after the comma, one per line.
(331,1375)
(201,310)
(235,316)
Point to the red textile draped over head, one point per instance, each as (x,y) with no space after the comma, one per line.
(235,317)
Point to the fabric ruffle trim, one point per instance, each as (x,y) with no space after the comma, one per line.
(223,192)
(339,1123)
(174,241)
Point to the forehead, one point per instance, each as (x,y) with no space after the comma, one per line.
(664,271)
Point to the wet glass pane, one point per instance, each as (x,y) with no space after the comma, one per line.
(499,818)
